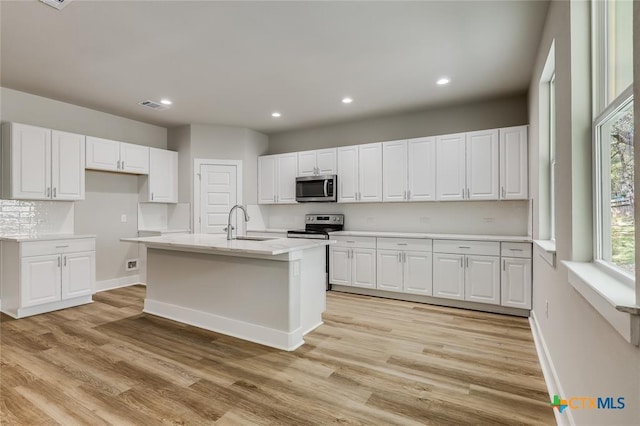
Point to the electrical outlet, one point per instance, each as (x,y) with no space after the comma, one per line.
(131,265)
(546,308)
(123,218)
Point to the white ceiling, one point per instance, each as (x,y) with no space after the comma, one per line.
(234,63)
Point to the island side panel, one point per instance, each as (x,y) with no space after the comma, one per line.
(253,299)
(313,288)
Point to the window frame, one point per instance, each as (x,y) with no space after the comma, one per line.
(552,156)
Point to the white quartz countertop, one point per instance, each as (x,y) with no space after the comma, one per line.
(506,238)
(45,237)
(219,243)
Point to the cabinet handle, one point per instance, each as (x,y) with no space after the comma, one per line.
(462,262)
(62,246)
(515,249)
(467,260)
(503,192)
(152,196)
(503,265)
(55,192)
(122,164)
(399,257)
(48,192)
(350,254)
(402,244)
(464,247)
(350,241)
(404,257)
(65,261)
(118,165)
(409,194)
(468,194)
(58,261)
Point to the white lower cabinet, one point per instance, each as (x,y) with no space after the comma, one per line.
(352,262)
(467,270)
(43,276)
(404,265)
(516,275)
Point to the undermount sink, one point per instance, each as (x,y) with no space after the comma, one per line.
(244,237)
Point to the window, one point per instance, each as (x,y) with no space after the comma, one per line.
(613,135)
(552,157)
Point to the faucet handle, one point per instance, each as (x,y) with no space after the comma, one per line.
(226,228)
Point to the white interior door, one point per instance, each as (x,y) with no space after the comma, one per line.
(218,193)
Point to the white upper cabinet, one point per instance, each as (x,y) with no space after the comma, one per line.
(482,165)
(41,164)
(394,171)
(277,178)
(319,162)
(450,167)
(67,165)
(108,155)
(421,169)
(360,173)
(514,163)
(162,185)
(409,170)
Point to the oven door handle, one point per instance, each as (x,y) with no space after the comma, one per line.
(326,184)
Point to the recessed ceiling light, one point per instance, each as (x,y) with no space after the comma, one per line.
(165,101)
(276,114)
(347,100)
(443,81)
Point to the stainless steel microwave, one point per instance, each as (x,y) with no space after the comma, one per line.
(317,189)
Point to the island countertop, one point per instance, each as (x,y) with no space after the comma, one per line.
(218,244)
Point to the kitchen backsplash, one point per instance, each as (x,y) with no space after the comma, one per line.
(35,217)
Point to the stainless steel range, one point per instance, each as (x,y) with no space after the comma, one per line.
(318,226)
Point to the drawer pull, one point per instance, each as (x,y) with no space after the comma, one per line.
(62,246)
(403,244)
(515,249)
(464,247)
(350,241)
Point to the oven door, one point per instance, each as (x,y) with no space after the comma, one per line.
(316,189)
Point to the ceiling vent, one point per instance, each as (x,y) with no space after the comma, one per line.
(153,105)
(58,4)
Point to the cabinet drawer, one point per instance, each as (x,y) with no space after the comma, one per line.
(360,242)
(39,248)
(487,248)
(516,250)
(413,244)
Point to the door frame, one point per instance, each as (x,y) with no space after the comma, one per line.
(197,163)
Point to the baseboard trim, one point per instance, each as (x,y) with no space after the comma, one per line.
(117,283)
(48,307)
(549,372)
(288,341)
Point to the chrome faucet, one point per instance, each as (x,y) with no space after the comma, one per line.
(230,228)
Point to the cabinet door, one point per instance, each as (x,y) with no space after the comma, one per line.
(516,283)
(448,276)
(163,176)
(389,266)
(418,277)
(40,280)
(482,165)
(394,171)
(134,158)
(326,161)
(370,172)
(482,279)
(363,267)
(421,169)
(67,165)
(286,178)
(78,274)
(267,179)
(340,265)
(514,163)
(307,163)
(30,162)
(102,154)
(450,167)
(348,174)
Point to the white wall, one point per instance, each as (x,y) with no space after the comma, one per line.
(108,195)
(589,356)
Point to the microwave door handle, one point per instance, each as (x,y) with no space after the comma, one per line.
(326,183)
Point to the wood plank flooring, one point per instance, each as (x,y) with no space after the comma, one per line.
(374,361)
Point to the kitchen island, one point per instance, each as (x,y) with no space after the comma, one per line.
(270,292)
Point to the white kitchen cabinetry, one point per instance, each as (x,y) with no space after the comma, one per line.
(352,262)
(277,179)
(467,270)
(318,162)
(41,164)
(514,163)
(409,170)
(450,167)
(516,275)
(43,276)
(113,156)
(404,265)
(162,184)
(482,165)
(360,173)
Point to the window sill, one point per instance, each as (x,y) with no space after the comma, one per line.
(614,300)
(547,250)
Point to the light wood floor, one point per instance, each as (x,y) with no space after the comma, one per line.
(374,361)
